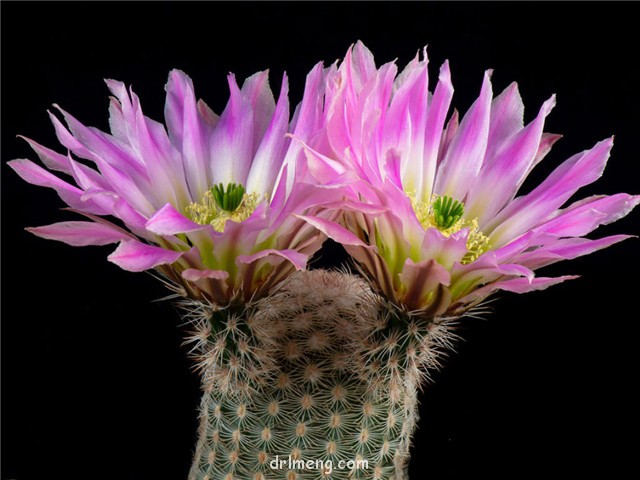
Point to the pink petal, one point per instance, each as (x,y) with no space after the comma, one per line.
(208,116)
(448,135)
(131,217)
(121,114)
(334,231)
(306,122)
(117,122)
(268,159)
(567,249)
(484,270)
(420,279)
(136,256)
(257,93)
(194,274)
(516,285)
(36,175)
(464,156)
(434,129)
(68,140)
(507,113)
(169,221)
(511,249)
(86,177)
(361,62)
(126,187)
(231,146)
(303,197)
(530,210)
(546,142)
(187,132)
(51,159)
(502,175)
(360,207)
(488,268)
(445,250)
(298,259)
(162,160)
(322,168)
(586,215)
(102,146)
(405,122)
(80,234)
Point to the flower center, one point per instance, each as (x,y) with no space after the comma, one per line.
(220,204)
(446,214)
(228,199)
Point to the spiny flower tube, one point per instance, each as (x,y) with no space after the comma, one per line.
(208,201)
(450,230)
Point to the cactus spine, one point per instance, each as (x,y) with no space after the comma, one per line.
(321,372)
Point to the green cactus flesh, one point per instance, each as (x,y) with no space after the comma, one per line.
(318,380)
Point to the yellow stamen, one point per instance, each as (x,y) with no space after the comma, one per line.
(208,212)
(477,242)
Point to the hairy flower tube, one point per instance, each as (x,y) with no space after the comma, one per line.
(442,227)
(207,200)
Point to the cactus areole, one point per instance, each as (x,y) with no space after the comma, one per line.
(314,374)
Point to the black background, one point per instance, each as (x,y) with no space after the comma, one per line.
(95,383)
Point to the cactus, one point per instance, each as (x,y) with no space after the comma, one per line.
(317,380)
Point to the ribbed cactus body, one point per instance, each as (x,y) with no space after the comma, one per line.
(319,380)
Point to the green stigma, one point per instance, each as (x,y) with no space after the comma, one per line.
(228,199)
(220,204)
(447,212)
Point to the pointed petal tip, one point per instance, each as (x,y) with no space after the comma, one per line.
(113,84)
(176,73)
(607,142)
(513,88)
(29,171)
(486,91)
(178,81)
(445,72)
(548,105)
(15,164)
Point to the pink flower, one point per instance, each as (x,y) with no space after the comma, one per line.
(208,200)
(433,217)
